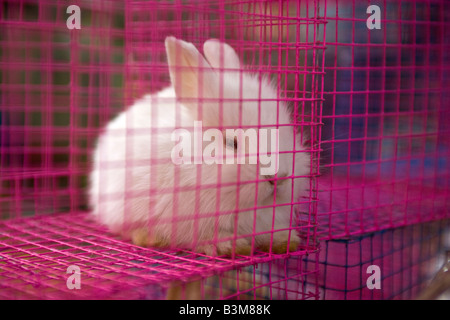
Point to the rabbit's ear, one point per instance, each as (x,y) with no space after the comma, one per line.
(191,75)
(220,55)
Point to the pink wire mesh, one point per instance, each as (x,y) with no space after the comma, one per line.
(60,87)
(385,138)
(374,104)
(36,254)
(408,258)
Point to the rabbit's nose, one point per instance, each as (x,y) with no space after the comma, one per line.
(279,179)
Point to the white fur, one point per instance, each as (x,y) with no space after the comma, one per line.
(133,179)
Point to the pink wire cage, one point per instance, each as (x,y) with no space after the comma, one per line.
(74,81)
(372,104)
(408,258)
(385,140)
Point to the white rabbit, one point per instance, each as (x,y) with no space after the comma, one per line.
(139,192)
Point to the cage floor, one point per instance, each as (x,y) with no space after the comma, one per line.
(35,254)
(349,208)
(408,258)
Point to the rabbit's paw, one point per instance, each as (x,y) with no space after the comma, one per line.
(208,249)
(227,248)
(240,247)
(280,244)
(142,238)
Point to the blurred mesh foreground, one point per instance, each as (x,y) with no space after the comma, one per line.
(54,84)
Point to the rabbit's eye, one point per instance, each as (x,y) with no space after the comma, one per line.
(232,143)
